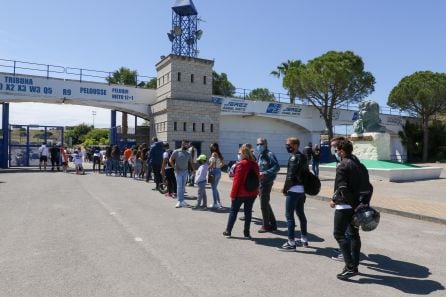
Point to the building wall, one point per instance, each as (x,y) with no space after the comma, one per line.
(236,130)
(185,78)
(184,107)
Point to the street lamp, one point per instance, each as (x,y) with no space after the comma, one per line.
(93,112)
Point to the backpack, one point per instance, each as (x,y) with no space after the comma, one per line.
(312,184)
(365,188)
(252,180)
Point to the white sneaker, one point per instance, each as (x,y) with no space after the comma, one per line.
(219,206)
(178,205)
(184,204)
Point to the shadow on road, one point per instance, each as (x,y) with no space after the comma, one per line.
(404,276)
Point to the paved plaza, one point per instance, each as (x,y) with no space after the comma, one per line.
(93,235)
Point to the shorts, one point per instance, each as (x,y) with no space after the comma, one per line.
(43,159)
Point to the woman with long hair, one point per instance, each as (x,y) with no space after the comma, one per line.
(216,162)
(245,189)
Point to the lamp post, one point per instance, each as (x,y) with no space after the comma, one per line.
(93,112)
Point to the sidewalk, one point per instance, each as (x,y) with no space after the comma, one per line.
(425,200)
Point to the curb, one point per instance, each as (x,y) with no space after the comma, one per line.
(401,213)
(394,212)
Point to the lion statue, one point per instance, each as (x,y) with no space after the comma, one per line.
(368,120)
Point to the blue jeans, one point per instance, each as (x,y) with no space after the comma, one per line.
(115,166)
(247,202)
(315,166)
(202,194)
(127,168)
(108,167)
(217,175)
(295,203)
(181,176)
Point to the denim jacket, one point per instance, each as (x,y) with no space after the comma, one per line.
(268,165)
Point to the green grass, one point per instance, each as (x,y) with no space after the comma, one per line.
(375,164)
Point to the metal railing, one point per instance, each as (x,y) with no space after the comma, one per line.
(16,67)
(244,94)
(21,67)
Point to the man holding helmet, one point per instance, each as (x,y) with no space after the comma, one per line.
(351,178)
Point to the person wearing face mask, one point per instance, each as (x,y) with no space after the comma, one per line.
(349,181)
(181,161)
(333,151)
(293,190)
(269,166)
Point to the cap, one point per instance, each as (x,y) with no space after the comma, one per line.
(201,158)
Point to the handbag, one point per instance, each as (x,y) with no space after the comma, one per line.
(211,177)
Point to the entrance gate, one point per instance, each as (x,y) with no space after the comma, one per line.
(25,140)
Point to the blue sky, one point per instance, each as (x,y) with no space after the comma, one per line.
(247,39)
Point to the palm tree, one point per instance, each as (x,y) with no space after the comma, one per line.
(281,71)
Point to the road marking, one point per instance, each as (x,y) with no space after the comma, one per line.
(113,213)
(138,239)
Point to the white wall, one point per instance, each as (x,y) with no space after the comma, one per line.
(236,130)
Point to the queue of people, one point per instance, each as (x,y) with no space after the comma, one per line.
(253,175)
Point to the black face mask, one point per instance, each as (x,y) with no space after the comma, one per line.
(289,148)
(184,148)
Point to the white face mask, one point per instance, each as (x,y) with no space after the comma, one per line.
(338,157)
(333,150)
(239,157)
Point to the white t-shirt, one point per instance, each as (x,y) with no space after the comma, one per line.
(193,153)
(297,189)
(43,150)
(77,159)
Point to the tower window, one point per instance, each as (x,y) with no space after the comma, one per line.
(179,76)
(204,80)
(174,126)
(193,127)
(212,128)
(184,126)
(191,78)
(202,127)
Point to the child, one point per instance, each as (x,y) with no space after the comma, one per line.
(77,160)
(200,180)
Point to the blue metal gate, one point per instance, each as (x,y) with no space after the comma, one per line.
(25,140)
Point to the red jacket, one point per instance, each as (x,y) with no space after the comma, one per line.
(238,185)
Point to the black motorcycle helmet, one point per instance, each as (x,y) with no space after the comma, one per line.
(367,218)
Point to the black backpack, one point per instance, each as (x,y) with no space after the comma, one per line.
(365,188)
(312,184)
(252,180)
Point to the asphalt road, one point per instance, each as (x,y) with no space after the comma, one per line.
(92,235)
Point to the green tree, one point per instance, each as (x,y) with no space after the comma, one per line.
(281,71)
(77,133)
(261,94)
(151,84)
(96,137)
(422,94)
(221,85)
(329,81)
(123,76)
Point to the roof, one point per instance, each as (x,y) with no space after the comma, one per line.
(184,7)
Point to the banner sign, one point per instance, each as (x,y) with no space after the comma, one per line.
(259,107)
(35,86)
